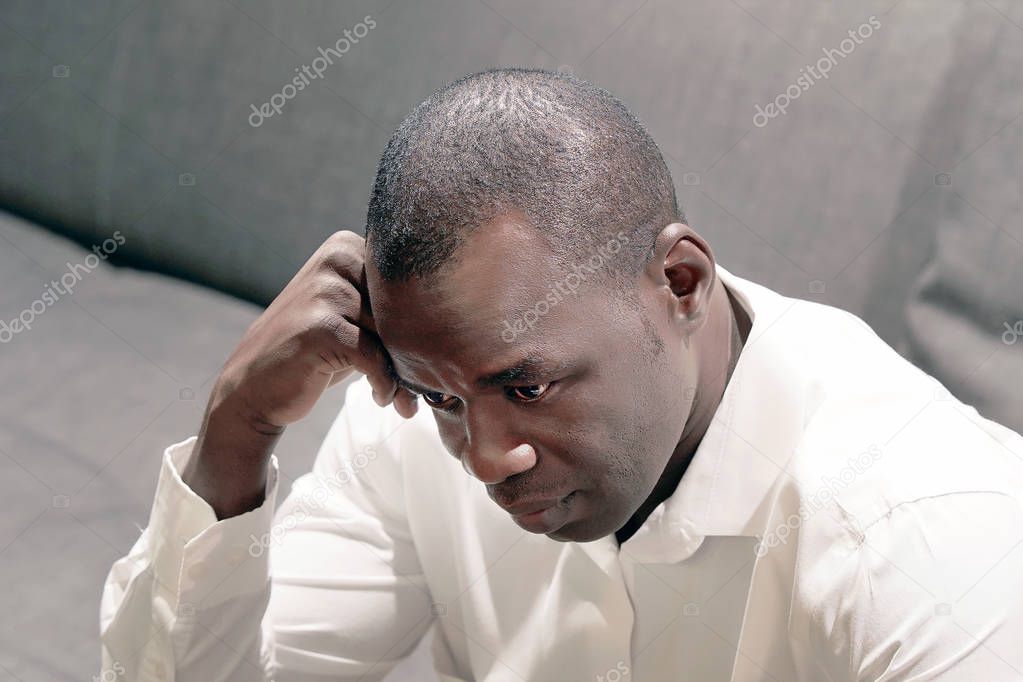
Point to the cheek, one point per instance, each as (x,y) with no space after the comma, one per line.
(451,436)
(607,453)
(639,443)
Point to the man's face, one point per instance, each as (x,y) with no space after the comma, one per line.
(573,443)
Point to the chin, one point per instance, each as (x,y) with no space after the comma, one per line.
(568,533)
(586,529)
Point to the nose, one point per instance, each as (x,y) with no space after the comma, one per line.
(495,466)
(490,454)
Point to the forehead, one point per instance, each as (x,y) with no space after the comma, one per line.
(498,301)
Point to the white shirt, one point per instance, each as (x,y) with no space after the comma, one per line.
(844,518)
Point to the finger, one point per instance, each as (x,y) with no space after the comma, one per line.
(406,403)
(362,349)
(377,367)
(345,253)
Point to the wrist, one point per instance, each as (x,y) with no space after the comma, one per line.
(231,459)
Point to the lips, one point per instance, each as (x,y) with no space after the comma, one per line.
(539,515)
(523,507)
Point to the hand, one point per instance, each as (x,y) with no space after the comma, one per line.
(316,333)
(313,335)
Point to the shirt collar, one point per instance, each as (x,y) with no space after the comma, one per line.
(726,490)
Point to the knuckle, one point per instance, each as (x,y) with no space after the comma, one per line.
(320,322)
(336,295)
(346,237)
(343,257)
(330,321)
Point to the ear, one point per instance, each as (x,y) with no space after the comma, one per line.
(683,264)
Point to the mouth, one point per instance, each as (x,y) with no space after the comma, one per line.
(541,516)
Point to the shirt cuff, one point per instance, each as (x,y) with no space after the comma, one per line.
(191,552)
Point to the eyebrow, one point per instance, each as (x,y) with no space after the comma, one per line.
(530,368)
(403,382)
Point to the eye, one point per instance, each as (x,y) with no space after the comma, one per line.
(439,401)
(527,394)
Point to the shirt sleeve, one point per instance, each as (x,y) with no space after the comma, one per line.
(933,591)
(328,587)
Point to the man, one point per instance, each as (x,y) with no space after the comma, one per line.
(634,465)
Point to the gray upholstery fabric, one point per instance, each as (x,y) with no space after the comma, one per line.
(105,378)
(890,189)
(965,319)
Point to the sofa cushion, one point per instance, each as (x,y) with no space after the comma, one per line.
(99,380)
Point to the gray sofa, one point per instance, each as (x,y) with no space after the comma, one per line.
(890,188)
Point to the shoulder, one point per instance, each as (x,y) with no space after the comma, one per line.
(903,465)
(872,452)
(934,584)
(877,431)
(910,552)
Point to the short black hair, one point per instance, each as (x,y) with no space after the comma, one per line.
(565,153)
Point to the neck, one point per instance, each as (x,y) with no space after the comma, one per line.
(720,343)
